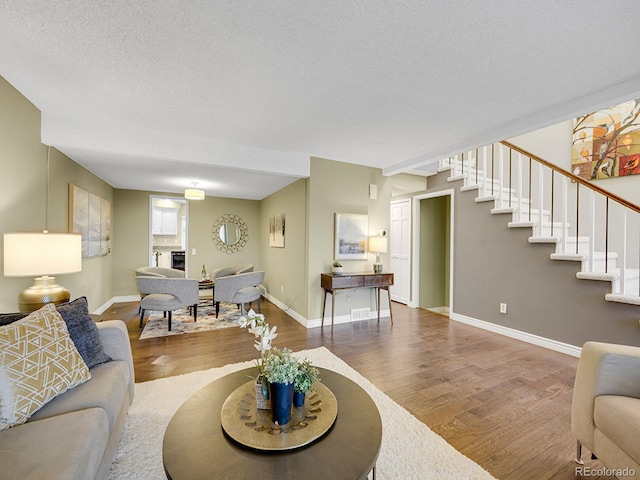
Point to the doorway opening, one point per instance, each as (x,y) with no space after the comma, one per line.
(433,247)
(168,227)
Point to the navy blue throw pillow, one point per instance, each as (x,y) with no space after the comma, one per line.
(83,331)
(7,318)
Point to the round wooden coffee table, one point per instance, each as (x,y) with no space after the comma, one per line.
(195,446)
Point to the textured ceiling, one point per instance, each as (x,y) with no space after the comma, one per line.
(155,95)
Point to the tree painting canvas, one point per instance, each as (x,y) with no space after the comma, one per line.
(276,230)
(606,143)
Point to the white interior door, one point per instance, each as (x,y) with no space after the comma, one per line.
(400,250)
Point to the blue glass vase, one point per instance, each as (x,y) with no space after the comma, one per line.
(281,395)
(298,399)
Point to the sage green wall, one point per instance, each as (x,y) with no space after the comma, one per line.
(285,268)
(434,252)
(23,159)
(337,187)
(131,243)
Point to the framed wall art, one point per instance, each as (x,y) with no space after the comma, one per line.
(351,234)
(90,216)
(606,143)
(276,230)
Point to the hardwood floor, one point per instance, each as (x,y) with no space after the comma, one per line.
(503,403)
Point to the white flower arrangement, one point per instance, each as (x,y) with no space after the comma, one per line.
(256,324)
(281,366)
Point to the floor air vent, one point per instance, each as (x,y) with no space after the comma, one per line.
(360,314)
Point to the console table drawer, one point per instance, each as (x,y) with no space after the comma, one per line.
(342,281)
(382,279)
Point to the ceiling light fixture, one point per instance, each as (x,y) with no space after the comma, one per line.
(194,193)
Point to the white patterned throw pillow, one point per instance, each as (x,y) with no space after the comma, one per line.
(38,361)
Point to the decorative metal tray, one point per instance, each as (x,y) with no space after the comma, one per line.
(246,424)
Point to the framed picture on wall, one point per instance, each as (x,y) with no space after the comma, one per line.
(606,143)
(90,216)
(351,234)
(276,230)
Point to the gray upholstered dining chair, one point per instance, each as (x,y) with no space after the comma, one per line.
(166,295)
(239,289)
(231,270)
(162,272)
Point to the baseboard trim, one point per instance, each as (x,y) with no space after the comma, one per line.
(518,335)
(439,310)
(119,299)
(339,319)
(104,307)
(317,322)
(286,309)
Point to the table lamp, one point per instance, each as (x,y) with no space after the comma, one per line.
(377,245)
(42,255)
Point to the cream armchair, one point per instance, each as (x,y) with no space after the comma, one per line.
(606,406)
(239,289)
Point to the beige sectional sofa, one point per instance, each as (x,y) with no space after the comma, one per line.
(606,407)
(74,435)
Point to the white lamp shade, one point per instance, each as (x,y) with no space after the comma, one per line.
(193,194)
(378,244)
(34,254)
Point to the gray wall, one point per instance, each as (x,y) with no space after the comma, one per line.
(494,264)
(23,159)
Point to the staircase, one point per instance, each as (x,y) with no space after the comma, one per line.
(585,223)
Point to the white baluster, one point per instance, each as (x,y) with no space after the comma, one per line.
(565,223)
(540,195)
(519,189)
(623,254)
(484,172)
(592,235)
(501,177)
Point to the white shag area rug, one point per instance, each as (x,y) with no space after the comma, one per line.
(410,450)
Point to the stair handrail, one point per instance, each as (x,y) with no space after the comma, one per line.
(575,178)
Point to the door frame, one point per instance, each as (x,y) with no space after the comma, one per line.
(415,247)
(173,198)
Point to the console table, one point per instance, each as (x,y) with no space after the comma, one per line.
(331,282)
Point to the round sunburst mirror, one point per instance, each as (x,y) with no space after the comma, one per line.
(229,233)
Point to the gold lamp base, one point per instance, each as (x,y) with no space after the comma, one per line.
(377,268)
(44,290)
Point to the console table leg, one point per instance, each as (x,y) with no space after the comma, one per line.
(333,308)
(324,302)
(378,307)
(390,310)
